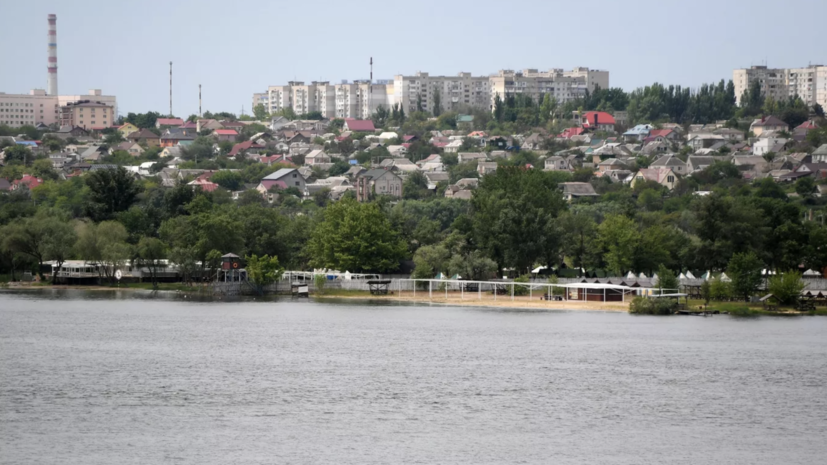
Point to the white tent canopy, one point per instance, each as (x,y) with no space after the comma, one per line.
(689,275)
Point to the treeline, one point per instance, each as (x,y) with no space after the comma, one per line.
(516,220)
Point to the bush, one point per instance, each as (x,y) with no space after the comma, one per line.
(786,287)
(652,306)
(522,290)
(319,281)
(720,290)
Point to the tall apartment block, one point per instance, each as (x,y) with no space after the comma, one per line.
(809,84)
(360,99)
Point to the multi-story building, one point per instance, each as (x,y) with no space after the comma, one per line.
(95,95)
(87,114)
(783,83)
(360,99)
(261,98)
(29,109)
(455,92)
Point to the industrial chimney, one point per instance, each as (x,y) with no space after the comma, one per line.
(52,55)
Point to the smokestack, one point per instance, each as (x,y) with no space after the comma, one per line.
(52,62)
(170,89)
(371,70)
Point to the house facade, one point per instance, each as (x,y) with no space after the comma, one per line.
(378,182)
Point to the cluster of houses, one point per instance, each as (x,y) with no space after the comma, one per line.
(310,148)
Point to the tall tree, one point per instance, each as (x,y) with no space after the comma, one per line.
(111,191)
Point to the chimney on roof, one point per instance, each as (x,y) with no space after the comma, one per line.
(596,115)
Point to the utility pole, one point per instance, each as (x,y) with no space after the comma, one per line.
(170,89)
(199,100)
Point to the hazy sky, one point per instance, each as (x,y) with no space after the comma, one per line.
(235,48)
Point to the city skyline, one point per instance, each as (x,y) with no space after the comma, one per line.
(211,46)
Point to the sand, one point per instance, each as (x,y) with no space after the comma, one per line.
(472,299)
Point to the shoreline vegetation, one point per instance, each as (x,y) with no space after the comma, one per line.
(506,302)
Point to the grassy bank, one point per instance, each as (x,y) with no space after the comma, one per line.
(749,309)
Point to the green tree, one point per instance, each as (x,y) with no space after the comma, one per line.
(473,266)
(355,237)
(151,254)
(42,237)
(43,169)
(104,245)
(19,153)
(437,110)
(667,282)
(230,180)
(805,187)
(744,270)
(110,191)
(260,112)
(618,236)
(786,287)
(430,260)
(263,271)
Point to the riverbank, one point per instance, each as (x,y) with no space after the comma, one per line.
(471,300)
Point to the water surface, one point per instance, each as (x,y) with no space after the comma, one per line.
(131,378)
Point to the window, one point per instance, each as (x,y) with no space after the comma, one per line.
(670,179)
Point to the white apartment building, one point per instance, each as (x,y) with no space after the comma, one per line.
(782,83)
(261,99)
(564,86)
(29,109)
(455,92)
(360,99)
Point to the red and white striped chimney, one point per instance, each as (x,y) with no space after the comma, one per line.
(52,55)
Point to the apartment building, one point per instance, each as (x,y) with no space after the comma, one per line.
(87,114)
(261,98)
(360,99)
(537,84)
(455,92)
(782,83)
(29,109)
(95,95)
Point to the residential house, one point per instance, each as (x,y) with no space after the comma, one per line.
(463,189)
(27,181)
(5,185)
(356,125)
(316,157)
(486,167)
(766,124)
(611,164)
(463,157)
(278,122)
(697,163)
(397,150)
(655,147)
(671,135)
(399,165)
(146,137)
(378,182)
(177,136)
(704,141)
(820,154)
(557,163)
(498,142)
(170,152)
(818,171)
(228,135)
(572,190)
(533,142)
(749,162)
(571,132)
(208,125)
(436,177)
(766,145)
(168,123)
(127,128)
(597,121)
(71,131)
(131,148)
(453,146)
(94,153)
(246,147)
(283,179)
(663,176)
(638,133)
(671,162)
(386,137)
(730,134)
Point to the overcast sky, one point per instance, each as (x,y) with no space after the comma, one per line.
(235,48)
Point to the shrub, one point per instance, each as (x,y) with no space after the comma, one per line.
(720,290)
(706,292)
(319,281)
(522,290)
(667,282)
(652,306)
(786,287)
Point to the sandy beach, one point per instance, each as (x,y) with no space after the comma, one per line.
(472,300)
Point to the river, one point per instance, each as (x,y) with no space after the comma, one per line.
(132,378)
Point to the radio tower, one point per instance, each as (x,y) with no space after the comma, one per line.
(52,64)
(170,89)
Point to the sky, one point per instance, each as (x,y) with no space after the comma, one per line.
(234,49)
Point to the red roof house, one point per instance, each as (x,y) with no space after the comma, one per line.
(243,147)
(598,120)
(27,180)
(359,125)
(168,122)
(225,134)
(570,132)
(189,125)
